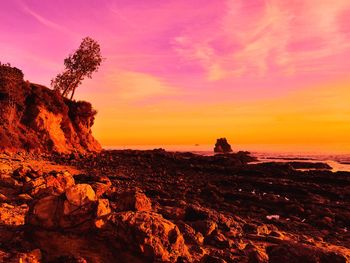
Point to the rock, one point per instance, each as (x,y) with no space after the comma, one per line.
(24,171)
(69,259)
(206,227)
(60,182)
(36,118)
(212,259)
(256,254)
(7,181)
(5,168)
(148,233)
(33,187)
(12,215)
(190,235)
(100,184)
(134,200)
(222,146)
(217,239)
(52,184)
(33,256)
(45,212)
(24,197)
(80,194)
(76,210)
(310,165)
(102,212)
(3,198)
(195,212)
(293,252)
(172,213)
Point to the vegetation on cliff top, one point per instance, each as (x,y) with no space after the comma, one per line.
(85,61)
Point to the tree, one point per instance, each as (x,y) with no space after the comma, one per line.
(85,61)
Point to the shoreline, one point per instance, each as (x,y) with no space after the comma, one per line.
(224,207)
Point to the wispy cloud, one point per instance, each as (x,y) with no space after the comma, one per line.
(268,36)
(42,19)
(130,85)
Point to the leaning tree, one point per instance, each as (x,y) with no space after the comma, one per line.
(82,63)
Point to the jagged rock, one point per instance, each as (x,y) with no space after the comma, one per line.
(133,200)
(206,227)
(25,173)
(222,146)
(3,198)
(33,256)
(191,236)
(172,213)
(52,184)
(290,252)
(217,239)
(256,254)
(5,168)
(100,184)
(149,234)
(12,215)
(8,181)
(212,259)
(80,194)
(24,197)
(76,209)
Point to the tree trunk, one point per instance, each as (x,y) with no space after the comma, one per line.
(71,97)
(65,91)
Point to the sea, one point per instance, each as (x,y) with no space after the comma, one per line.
(338,161)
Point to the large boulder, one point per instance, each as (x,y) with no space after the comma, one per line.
(55,183)
(149,234)
(222,146)
(76,209)
(133,200)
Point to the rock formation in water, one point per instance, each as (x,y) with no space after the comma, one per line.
(222,146)
(35,118)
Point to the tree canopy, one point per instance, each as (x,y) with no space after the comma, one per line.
(82,63)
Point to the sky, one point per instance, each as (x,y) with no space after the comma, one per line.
(270,74)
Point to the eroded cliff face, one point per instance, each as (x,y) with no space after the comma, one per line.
(36,119)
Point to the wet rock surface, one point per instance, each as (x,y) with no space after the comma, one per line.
(157,206)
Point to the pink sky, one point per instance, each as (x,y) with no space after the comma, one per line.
(194,61)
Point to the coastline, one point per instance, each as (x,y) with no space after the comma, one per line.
(223,206)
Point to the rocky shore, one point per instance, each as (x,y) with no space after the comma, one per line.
(158,206)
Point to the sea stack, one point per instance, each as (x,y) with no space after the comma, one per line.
(222,146)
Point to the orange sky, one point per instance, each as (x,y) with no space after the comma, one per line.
(316,118)
(273,73)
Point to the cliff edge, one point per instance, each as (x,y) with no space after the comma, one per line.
(36,119)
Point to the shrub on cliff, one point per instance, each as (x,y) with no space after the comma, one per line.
(81,110)
(85,61)
(12,85)
(9,75)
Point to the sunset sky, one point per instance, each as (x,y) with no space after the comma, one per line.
(266,74)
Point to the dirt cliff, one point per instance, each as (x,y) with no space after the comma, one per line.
(36,119)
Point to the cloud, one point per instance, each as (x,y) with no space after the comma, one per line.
(256,38)
(43,20)
(130,85)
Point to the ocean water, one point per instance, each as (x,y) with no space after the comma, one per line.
(338,161)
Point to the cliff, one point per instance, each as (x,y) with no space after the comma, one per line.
(34,118)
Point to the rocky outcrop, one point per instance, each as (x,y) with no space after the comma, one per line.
(150,235)
(37,119)
(222,146)
(152,206)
